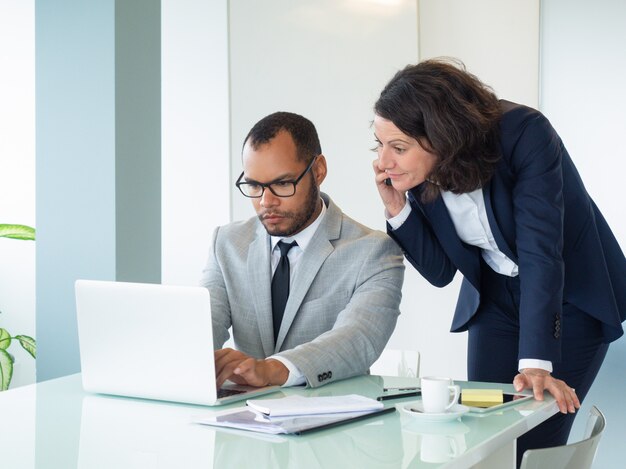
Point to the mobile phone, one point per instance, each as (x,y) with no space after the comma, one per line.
(399,394)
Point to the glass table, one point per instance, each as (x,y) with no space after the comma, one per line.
(56,425)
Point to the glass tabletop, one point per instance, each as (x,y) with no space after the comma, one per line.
(55,424)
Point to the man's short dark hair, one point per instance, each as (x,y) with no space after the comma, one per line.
(301,129)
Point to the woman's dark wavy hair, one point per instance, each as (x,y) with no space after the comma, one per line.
(453,115)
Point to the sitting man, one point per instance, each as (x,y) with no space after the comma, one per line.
(311,295)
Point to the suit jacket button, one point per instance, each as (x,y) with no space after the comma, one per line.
(557,334)
(330,374)
(320,378)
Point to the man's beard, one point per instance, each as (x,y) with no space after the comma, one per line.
(298,219)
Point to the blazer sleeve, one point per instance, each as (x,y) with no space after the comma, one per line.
(213,280)
(362,329)
(535,159)
(422,248)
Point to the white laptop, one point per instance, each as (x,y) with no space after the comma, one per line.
(150,341)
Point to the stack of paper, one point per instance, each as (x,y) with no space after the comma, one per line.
(299,405)
(296,414)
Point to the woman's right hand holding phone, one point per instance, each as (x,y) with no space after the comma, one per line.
(393,200)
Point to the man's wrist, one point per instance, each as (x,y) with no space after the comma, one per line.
(277,373)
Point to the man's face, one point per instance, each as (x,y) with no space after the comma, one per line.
(277,161)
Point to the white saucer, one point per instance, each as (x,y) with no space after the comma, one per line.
(416,410)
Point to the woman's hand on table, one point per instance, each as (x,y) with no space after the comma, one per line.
(539,380)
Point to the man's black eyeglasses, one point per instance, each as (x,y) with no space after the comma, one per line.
(255,190)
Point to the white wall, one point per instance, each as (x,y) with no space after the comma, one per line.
(583,70)
(17,176)
(326,60)
(498,40)
(195,134)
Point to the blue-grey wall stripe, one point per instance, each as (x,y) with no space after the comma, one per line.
(98,158)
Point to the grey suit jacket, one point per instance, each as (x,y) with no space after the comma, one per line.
(343,304)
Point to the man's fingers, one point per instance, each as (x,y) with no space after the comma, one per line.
(246,368)
(226,360)
(226,372)
(225,356)
(252,371)
(221,352)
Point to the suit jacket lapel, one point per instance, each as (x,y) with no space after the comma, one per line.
(493,224)
(309,265)
(259,283)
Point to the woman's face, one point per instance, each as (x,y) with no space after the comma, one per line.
(404,160)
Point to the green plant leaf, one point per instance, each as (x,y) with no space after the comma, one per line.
(17,232)
(6,369)
(28,343)
(5,339)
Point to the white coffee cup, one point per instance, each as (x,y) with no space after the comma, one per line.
(436,393)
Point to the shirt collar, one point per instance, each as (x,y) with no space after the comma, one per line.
(303,238)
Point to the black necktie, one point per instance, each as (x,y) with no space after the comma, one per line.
(280,286)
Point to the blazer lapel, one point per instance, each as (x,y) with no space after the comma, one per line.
(465,257)
(493,224)
(259,284)
(310,263)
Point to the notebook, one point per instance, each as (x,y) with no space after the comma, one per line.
(150,341)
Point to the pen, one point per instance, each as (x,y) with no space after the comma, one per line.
(414,388)
(398,396)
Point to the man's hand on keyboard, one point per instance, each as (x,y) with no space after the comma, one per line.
(243,369)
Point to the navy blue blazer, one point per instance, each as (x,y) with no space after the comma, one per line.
(543,219)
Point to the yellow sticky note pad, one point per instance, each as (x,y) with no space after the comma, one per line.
(481,397)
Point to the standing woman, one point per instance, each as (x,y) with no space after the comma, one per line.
(486,187)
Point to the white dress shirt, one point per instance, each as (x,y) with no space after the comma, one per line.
(303,238)
(469,217)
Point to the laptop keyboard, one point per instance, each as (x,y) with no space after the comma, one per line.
(228,392)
